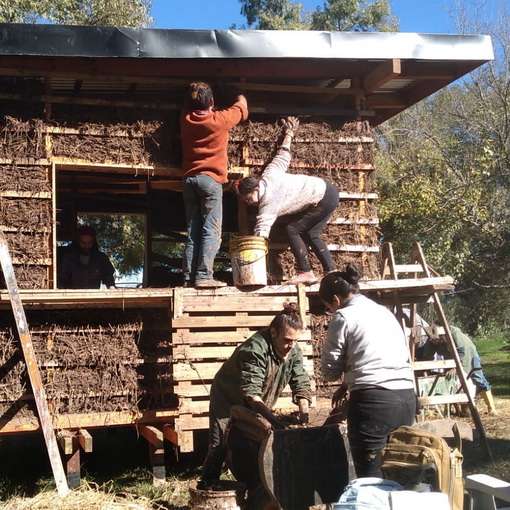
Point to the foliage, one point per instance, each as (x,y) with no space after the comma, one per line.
(354,15)
(445,181)
(345,15)
(129,13)
(121,237)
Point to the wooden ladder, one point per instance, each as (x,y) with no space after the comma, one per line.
(417,268)
(32,368)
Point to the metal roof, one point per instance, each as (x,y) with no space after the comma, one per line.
(77,41)
(321,73)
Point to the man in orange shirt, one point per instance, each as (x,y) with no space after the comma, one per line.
(204,136)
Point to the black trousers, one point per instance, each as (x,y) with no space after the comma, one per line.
(306,230)
(373,414)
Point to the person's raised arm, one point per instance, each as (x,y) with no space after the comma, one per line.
(235,114)
(280,163)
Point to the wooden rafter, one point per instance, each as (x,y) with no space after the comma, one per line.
(382,74)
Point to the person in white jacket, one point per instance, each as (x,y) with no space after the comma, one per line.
(367,350)
(310,200)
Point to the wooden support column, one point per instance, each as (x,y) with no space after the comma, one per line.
(155,439)
(73,469)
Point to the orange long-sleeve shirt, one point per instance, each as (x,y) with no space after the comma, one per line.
(204,137)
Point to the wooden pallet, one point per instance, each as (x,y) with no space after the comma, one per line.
(206,328)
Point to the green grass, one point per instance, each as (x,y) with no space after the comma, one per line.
(494,350)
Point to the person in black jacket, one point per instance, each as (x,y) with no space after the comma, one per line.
(83,266)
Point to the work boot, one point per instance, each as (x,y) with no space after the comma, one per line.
(489,401)
(209,283)
(307,278)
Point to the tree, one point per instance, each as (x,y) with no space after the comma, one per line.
(344,15)
(129,13)
(444,171)
(354,15)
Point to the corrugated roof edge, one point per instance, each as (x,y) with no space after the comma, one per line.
(110,42)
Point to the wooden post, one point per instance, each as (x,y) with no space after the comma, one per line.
(73,468)
(33,369)
(154,439)
(54,224)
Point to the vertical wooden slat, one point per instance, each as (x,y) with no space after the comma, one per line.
(54,223)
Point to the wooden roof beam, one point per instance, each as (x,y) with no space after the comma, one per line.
(382,74)
(386,101)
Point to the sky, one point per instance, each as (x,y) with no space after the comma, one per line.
(414,15)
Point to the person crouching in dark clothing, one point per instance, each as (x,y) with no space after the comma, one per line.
(255,377)
(83,266)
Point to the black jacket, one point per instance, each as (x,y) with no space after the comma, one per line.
(75,275)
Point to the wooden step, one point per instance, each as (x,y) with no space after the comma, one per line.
(444,364)
(434,400)
(409,268)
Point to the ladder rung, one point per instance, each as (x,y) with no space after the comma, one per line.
(459,398)
(434,365)
(409,268)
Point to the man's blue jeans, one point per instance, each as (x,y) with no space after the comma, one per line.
(203,201)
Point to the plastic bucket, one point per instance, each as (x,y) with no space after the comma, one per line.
(248,256)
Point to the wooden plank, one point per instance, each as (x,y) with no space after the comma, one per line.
(178,303)
(189,352)
(85,440)
(26,194)
(197,407)
(32,369)
(119,298)
(364,167)
(218,337)
(357,221)
(202,390)
(434,365)
(340,140)
(287,109)
(204,371)
(303,304)
(54,225)
(25,161)
(235,303)
(354,248)
(89,420)
(345,195)
(152,434)
(459,398)
(408,268)
(232,321)
(444,428)
(32,262)
(382,74)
